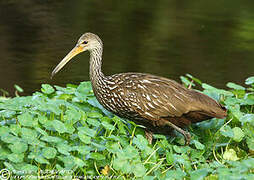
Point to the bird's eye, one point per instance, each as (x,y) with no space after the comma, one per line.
(85,42)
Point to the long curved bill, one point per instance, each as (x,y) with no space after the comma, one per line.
(76,50)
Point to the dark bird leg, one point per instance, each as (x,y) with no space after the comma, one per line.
(149,136)
(186,135)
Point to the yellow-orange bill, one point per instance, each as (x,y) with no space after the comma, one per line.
(76,50)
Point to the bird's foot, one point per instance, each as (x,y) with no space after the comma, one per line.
(186,135)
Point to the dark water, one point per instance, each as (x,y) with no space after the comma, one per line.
(212,40)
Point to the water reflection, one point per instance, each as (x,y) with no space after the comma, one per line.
(210,40)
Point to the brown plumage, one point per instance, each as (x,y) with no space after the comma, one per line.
(157,103)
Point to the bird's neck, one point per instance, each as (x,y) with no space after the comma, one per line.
(96,75)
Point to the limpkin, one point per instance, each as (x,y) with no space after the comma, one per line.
(158,103)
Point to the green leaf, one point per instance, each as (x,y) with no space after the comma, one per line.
(97,156)
(94,115)
(80,163)
(107,125)
(87,131)
(199,174)
(64,148)
(227,131)
(249,80)
(139,170)
(235,86)
(59,126)
(18,147)
(175,174)
(93,122)
(84,138)
(41,131)
(49,152)
(169,158)
(247,118)
(18,88)
(42,119)
(230,154)
(8,138)
(28,134)
(47,89)
(4,130)
(41,160)
(16,158)
(51,139)
(238,134)
(198,145)
(26,119)
(250,143)
(140,141)
(68,161)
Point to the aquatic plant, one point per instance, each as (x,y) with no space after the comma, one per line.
(65,132)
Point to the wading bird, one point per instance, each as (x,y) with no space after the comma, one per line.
(158,103)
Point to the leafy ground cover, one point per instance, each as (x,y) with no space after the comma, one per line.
(65,132)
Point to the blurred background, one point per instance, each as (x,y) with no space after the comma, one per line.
(212,40)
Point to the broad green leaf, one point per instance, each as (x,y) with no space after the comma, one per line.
(230,154)
(51,139)
(41,131)
(139,170)
(42,119)
(94,115)
(107,125)
(97,156)
(79,162)
(140,141)
(249,80)
(169,158)
(247,118)
(15,129)
(59,126)
(64,148)
(238,134)
(93,122)
(18,147)
(175,174)
(235,86)
(199,174)
(84,138)
(227,131)
(250,143)
(68,161)
(26,119)
(47,89)
(49,152)
(9,138)
(16,158)
(28,134)
(87,131)
(4,130)
(198,145)
(41,160)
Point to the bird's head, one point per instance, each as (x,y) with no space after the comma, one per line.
(87,42)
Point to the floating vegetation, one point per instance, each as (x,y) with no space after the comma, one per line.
(65,132)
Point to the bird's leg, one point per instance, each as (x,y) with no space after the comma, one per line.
(186,135)
(189,87)
(149,136)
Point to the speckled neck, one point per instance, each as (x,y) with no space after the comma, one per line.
(96,75)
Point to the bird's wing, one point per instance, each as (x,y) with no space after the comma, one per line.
(158,97)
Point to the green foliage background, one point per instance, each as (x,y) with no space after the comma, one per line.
(65,132)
